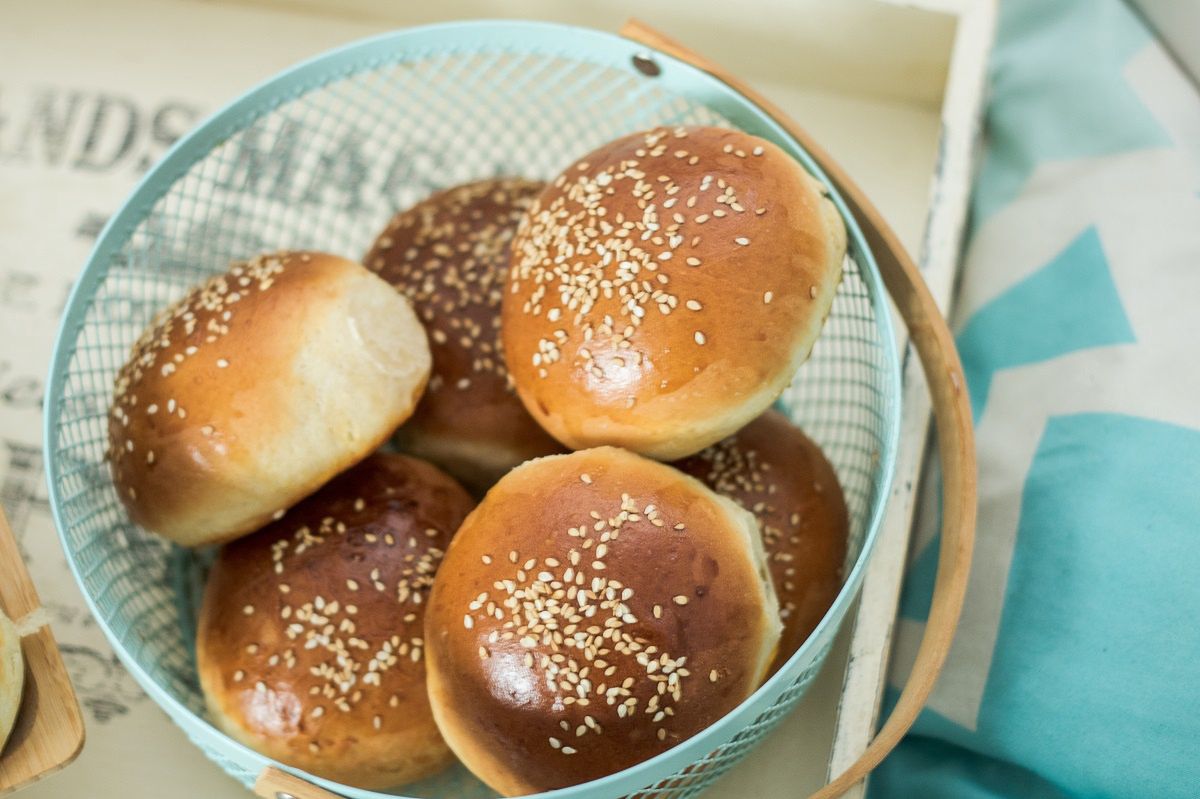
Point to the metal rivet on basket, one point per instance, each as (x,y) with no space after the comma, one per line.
(646,65)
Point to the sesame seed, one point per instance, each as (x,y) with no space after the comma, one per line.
(742,240)
(767,297)
(757,150)
(680,599)
(222,363)
(248,610)
(812,292)
(693,305)
(713,676)
(700,338)
(586,478)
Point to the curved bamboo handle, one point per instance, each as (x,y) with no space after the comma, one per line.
(952,413)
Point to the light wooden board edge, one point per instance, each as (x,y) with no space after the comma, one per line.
(49,731)
(870,643)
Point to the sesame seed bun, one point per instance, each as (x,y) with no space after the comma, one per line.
(779,474)
(12,677)
(257,387)
(310,640)
(595,610)
(665,288)
(449,256)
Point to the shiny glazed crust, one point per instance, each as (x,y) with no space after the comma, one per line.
(772,469)
(665,288)
(310,642)
(449,256)
(256,388)
(595,610)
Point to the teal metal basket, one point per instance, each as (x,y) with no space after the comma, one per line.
(320,157)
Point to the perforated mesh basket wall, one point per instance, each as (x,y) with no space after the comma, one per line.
(320,158)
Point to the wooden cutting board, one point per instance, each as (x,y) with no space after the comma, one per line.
(49,729)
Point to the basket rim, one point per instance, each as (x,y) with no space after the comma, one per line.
(584,44)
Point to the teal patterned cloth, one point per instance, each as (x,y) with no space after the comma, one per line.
(1076,671)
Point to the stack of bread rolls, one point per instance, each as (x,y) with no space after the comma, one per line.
(640,542)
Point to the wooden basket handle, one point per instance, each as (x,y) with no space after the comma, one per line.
(952,414)
(951,407)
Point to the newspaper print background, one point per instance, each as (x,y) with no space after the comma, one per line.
(86,107)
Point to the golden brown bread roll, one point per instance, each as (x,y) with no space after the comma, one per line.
(12,677)
(449,255)
(310,639)
(779,474)
(665,288)
(595,610)
(256,388)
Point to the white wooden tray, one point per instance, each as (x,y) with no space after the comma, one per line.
(893,90)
